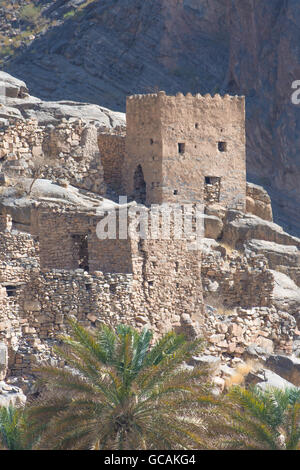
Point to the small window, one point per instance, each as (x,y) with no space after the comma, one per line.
(80,250)
(196,125)
(112,288)
(215,180)
(212,189)
(141,245)
(11,291)
(151,141)
(177,266)
(222,146)
(175,192)
(181,148)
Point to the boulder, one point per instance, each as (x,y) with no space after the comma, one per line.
(216,210)
(47,112)
(277,255)
(213,363)
(213,226)
(266,379)
(209,244)
(286,367)
(256,352)
(239,228)
(45,190)
(274,380)
(8,112)
(286,294)
(11,395)
(13,87)
(258,202)
(265,343)
(17,103)
(3,360)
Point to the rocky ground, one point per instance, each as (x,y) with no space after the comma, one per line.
(19,104)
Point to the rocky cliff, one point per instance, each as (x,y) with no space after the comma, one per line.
(100,51)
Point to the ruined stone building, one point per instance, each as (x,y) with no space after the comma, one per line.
(186,149)
(176,149)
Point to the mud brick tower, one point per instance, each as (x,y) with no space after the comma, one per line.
(186,149)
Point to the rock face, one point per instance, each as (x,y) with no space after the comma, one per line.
(11,395)
(258,202)
(241,228)
(14,88)
(286,367)
(286,294)
(277,255)
(112,49)
(15,102)
(266,379)
(3,360)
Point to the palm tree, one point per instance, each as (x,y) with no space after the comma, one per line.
(118,392)
(265,419)
(13,429)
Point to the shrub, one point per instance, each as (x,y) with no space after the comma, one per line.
(30,13)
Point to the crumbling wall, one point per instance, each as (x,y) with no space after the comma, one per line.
(72,150)
(68,151)
(231,334)
(234,280)
(20,143)
(160,285)
(112,151)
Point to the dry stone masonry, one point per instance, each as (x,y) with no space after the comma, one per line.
(175,149)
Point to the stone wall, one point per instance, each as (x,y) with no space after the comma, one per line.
(20,142)
(68,151)
(230,335)
(71,148)
(179,141)
(49,298)
(234,280)
(162,289)
(112,151)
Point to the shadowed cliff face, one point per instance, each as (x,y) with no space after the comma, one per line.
(252,47)
(264,61)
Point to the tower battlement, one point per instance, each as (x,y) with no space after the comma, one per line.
(151,102)
(152,97)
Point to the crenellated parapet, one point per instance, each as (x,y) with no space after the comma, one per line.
(152,97)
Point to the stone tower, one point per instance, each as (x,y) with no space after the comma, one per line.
(186,149)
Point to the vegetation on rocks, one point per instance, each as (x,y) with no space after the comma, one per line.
(265,419)
(119,391)
(14,431)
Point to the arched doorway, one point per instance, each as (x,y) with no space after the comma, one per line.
(139,186)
